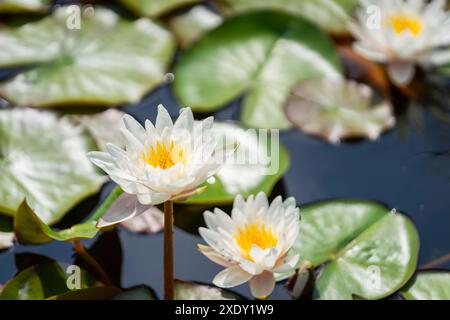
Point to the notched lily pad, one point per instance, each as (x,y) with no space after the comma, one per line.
(43,160)
(104,60)
(192,25)
(154,8)
(428,285)
(195,291)
(43,281)
(256,165)
(262,54)
(365,249)
(338,109)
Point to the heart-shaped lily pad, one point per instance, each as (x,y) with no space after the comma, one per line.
(22,6)
(102,60)
(43,281)
(30,229)
(195,291)
(262,54)
(428,285)
(43,160)
(365,250)
(338,109)
(331,15)
(258,163)
(154,8)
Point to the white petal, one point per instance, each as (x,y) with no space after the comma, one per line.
(163,119)
(125,207)
(214,256)
(288,264)
(262,285)
(231,277)
(134,127)
(153,198)
(401,72)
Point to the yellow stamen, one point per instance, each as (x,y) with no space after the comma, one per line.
(164,156)
(255,234)
(401,23)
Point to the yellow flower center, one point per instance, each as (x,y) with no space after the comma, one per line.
(164,156)
(401,23)
(255,234)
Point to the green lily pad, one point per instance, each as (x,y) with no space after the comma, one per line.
(43,160)
(41,282)
(254,166)
(24,6)
(195,291)
(192,25)
(30,229)
(155,8)
(107,61)
(331,15)
(365,250)
(262,54)
(338,109)
(428,285)
(94,293)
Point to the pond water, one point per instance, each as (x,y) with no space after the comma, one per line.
(412,176)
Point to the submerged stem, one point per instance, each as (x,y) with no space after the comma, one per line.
(93,264)
(169,290)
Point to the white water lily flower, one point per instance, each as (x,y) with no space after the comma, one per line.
(253,243)
(403,33)
(165,161)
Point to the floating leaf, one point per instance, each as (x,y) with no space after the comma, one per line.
(94,293)
(192,25)
(43,159)
(136,293)
(428,285)
(155,8)
(21,6)
(331,15)
(99,126)
(262,54)
(41,282)
(30,229)
(194,291)
(107,61)
(257,165)
(366,250)
(337,110)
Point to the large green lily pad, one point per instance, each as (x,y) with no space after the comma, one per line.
(261,54)
(331,15)
(154,8)
(30,229)
(21,6)
(43,160)
(107,61)
(366,251)
(41,282)
(255,166)
(428,285)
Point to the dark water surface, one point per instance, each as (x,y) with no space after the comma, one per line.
(412,176)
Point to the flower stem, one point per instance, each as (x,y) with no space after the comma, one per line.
(169,290)
(92,263)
